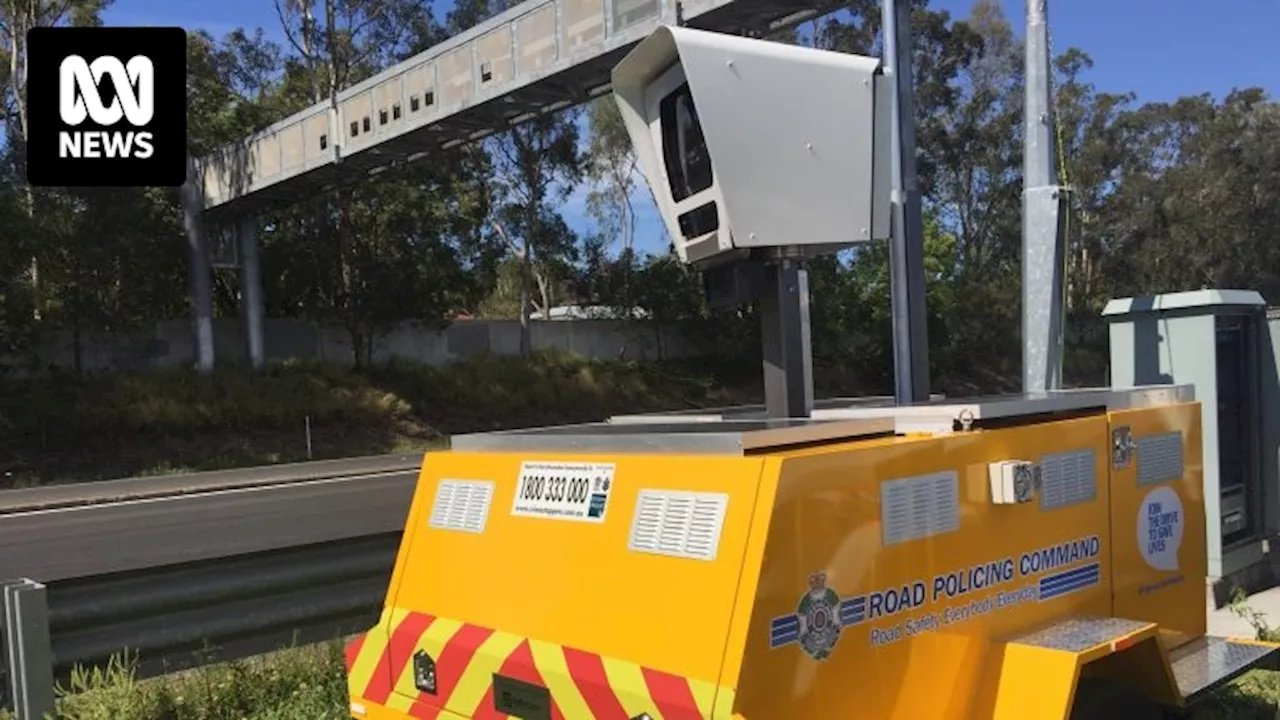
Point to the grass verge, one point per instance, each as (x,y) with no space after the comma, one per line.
(66,428)
(303,683)
(1256,694)
(309,683)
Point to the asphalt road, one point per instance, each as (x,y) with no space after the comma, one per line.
(77,540)
(89,493)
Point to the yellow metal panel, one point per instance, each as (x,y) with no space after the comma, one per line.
(1159,557)
(576,583)
(926,590)
(921,657)
(419,509)
(1035,683)
(753,559)
(1144,664)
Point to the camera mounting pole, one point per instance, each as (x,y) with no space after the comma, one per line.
(906,246)
(787,352)
(1044,214)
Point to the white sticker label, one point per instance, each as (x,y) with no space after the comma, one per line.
(1160,522)
(566,491)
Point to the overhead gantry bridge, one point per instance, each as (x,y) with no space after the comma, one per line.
(537,57)
(540,56)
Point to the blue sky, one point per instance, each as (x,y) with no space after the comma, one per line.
(1159,49)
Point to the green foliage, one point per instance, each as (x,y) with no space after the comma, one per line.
(304,683)
(309,683)
(65,427)
(1165,196)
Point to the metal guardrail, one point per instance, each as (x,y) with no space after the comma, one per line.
(182,570)
(28,672)
(140,488)
(182,616)
(55,534)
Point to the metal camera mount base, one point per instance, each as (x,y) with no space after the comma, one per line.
(778,282)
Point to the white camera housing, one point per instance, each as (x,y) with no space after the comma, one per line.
(794,149)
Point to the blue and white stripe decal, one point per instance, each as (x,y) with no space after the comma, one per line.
(853,610)
(785,630)
(1064,583)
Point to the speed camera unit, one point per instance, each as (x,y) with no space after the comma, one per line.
(750,144)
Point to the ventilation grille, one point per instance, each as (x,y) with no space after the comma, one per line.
(678,524)
(462,505)
(1159,458)
(1068,478)
(919,507)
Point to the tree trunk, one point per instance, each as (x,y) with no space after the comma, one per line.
(357,345)
(526,273)
(23,18)
(77,346)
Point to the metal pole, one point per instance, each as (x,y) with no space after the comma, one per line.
(906,250)
(783,339)
(251,291)
(201,274)
(806,339)
(28,648)
(1043,248)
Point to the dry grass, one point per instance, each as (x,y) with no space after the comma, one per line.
(68,429)
(305,683)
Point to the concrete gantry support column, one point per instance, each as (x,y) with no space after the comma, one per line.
(201,273)
(251,290)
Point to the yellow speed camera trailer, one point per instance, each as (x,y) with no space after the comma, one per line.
(1019,557)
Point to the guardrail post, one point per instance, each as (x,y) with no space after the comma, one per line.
(28,650)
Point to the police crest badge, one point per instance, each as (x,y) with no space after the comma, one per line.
(819,615)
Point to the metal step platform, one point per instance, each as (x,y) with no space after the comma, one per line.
(1198,667)
(1207,663)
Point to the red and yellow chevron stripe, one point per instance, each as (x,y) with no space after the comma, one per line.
(583,685)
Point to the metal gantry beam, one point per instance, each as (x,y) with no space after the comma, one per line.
(540,56)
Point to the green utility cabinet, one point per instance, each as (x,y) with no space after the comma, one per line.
(1219,341)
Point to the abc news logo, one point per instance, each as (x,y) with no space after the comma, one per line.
(107,106)
(79,100)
